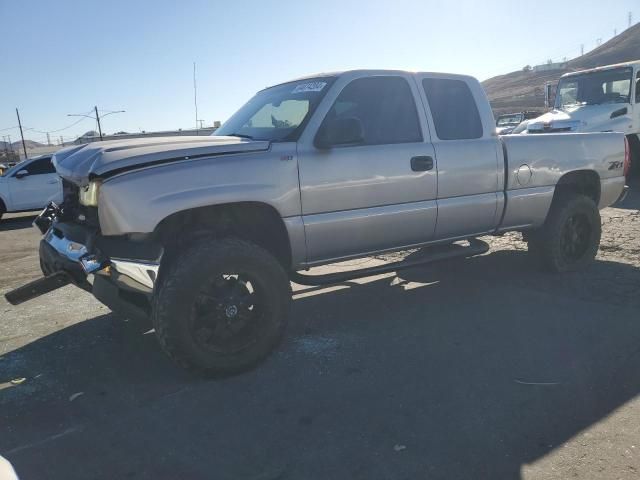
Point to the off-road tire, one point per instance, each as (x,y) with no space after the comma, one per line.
(176,294)
(548,246)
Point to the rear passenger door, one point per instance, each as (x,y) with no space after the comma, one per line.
(370,195)
(469,161)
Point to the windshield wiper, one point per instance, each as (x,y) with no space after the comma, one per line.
(241,135)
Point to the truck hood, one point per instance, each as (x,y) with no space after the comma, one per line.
(79,164)
(580,118)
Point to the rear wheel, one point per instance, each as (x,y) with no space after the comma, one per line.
(222,307)
(570,238)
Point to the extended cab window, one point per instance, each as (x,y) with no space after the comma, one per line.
(453,108)
(40,167)
(638,87)
(384,106)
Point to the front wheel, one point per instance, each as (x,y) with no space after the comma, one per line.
(222,306)
(570,237)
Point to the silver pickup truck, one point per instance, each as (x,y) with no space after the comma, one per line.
(204,234)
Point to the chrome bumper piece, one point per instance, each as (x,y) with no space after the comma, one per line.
(136,275)
(132,275)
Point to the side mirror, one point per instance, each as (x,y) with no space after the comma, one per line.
(20,174)
(548,94)
(342,131)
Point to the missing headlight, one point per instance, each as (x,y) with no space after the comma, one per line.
(89,194)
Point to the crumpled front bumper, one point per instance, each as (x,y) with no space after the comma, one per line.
(68,254)
(75,258)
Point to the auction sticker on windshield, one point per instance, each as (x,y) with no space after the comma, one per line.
(309,87)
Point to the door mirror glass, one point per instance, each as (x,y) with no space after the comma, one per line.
(21,174)
(340,131)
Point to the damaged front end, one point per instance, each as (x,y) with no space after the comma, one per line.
(119,271)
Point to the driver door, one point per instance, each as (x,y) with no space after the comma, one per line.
(378,193)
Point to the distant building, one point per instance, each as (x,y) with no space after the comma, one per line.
(95,137)
(35,151)
(91,136)
(550,66)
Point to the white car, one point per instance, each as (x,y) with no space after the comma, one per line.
(29,185)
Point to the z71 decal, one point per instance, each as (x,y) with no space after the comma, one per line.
(615,165)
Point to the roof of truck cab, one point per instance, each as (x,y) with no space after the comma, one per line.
(370,72)
(631,63)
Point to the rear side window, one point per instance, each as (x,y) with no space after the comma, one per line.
(384,105)
(40,167)
(453,108)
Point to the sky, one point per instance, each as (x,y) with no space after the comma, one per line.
(64,57)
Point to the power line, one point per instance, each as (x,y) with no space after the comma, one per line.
(96,117)
(59,129)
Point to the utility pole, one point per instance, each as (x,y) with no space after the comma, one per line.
(24,145)
(48,139)
(98,120)
(581,49)
(195,93)
(630,19)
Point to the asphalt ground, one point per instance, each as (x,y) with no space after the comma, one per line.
(486,368)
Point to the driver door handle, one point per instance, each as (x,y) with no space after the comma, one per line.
(421,164)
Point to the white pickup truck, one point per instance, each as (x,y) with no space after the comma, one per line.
(29,185)
(204,234)
(602,99)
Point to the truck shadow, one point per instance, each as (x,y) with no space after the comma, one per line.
(471,369)
(16,223)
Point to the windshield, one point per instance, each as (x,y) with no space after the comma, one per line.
(508,120)
(278,113)
(608,86)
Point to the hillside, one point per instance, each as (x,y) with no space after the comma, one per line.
(524,90)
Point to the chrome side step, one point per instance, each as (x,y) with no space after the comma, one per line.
(475,247)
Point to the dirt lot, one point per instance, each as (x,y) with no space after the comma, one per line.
(486,368)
